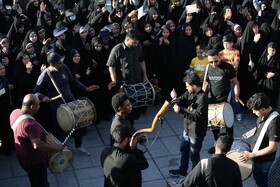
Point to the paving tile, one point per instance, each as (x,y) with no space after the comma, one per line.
(172,143)
(158,149)
(151,173)
(17,169)
(95,155)
(155,183)
(82,162)
(97,182)
(5,171)
(15,182)
(89,173)
(67,178)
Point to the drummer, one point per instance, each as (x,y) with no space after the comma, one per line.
(263,156)
(45,89)
(30,141)
(126,63)
(219,76)
(218,171)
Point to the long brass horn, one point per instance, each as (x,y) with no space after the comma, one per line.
(163,109)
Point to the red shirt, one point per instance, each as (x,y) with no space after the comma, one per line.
(27,130)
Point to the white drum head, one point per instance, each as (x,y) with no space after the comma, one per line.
(61,161)
(65,118)
(246,167)
(228,115)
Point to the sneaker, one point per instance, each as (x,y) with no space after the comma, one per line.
(82,151)
(211,150)
(177,173)
(238,117)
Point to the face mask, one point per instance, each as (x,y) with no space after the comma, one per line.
(72,18)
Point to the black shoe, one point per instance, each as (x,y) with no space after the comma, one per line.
(211,150)
(177,173)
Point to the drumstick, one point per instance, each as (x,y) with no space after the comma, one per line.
(249,133)
(56,97)
(68,136)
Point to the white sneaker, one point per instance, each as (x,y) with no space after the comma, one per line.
(238,117)
(82,151)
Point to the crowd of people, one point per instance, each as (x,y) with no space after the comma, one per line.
(91,48)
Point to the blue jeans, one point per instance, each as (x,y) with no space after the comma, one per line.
(190,146)
(261,173)
(235,105)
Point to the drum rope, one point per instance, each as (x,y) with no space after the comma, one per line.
(68,136)
(83,115)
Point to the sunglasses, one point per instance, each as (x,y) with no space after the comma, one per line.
(215,61)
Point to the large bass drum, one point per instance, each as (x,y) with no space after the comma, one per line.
(246,168)
(220,116)
(140,94)
(59,161)
(76,114)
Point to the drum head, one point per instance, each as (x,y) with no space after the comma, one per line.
(228,115)
(65,118)
(246,167)
(240,145)
(61,161)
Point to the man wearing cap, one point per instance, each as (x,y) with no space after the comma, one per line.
(219,76)
(231,56)
(126,62)
(108,41)
(45,89)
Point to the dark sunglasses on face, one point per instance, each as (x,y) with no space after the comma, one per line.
(215,61)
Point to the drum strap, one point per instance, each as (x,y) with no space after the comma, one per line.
(19,119)
(55,85)
(266,124)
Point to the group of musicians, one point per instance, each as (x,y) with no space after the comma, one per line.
(126,64)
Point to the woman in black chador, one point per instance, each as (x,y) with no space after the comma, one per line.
(267,73)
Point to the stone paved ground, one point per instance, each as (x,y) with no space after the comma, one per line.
(162,156)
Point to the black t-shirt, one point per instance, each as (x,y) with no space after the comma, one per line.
(126,61)
(219,82)
(272,134)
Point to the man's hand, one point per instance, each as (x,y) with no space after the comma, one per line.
(176,108)
(111,85)
(59,147)
(92,88)
(269,75)
(46,99)
(173,93)
(237,99)
(133,142)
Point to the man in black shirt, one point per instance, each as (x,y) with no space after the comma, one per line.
(126,62)
(219,76)
(263,154)
(218,171)
(193,105)
(122,163)
(122,106)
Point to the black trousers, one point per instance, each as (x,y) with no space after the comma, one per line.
(37,174)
